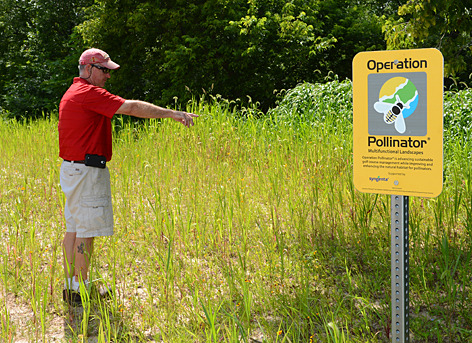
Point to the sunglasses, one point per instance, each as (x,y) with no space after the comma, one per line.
(103,69)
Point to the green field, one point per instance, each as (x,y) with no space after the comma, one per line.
(244,228)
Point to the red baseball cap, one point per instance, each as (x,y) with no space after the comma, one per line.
(92,56)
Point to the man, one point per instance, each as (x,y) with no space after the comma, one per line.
(85,145)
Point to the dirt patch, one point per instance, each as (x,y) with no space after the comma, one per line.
(26,327)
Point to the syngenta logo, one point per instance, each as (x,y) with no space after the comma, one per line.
(378,179)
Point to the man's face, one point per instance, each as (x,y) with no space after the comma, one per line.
(98,76)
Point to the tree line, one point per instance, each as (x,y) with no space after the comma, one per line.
(171,51)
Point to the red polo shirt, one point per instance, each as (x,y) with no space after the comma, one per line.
(85,114)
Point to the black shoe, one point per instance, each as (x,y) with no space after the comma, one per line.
(71,297)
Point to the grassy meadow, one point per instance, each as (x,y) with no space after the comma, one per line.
(244,228)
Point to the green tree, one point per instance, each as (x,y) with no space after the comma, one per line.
(234,48)
(356,27)
(278,45)
(443,24)
(166,49)
(37,53)
(181,49)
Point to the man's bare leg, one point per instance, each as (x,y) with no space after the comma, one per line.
(77,256)
(68,249)
(83,255)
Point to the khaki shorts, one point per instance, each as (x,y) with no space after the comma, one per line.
(88,210)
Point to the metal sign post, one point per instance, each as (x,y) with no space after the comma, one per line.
(400,269)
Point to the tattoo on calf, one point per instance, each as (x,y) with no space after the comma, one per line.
(80,248)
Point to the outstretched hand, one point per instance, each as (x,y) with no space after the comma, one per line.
(184,118)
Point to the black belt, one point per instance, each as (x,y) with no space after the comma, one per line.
(81,162)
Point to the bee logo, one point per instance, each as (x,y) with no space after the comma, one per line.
(397,101)
(393,113)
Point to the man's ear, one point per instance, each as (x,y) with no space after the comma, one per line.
(85,71)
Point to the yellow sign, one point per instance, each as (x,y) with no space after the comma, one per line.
(398,122)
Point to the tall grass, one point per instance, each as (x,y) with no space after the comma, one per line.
(244,228)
